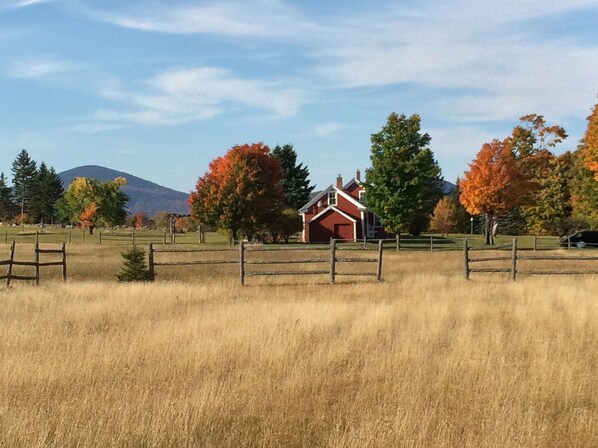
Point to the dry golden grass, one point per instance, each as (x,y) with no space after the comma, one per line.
(422,360)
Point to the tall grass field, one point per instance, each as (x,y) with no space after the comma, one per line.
(422,359)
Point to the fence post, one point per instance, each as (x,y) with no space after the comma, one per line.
(165,237)
(242,263)
(36,262)
(379,266)
(365,241)
(514,260)
(37,236)
(100,237)
(535,242)
(332,259)
(11,257)
(70,236)
(150,260)
(465,259)
(398,241)
(431,244)
(569,242)
(63,262)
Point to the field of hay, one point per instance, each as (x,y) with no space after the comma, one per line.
(422,359)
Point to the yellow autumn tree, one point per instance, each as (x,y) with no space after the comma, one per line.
(590,143)
(443,219)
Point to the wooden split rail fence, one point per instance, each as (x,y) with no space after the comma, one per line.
(36,264)
(514,257)
(249,265)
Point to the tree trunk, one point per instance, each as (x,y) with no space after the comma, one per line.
(488,230)
(91,230)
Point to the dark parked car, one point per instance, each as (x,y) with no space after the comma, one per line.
(585,238)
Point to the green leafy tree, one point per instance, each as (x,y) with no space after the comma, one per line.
(552,210)
(24,171)
(6,204)
(240,194)
(584,192)
(134,266)
(90,202)
(286,224)
(295,178)
(404,182)
(45,192)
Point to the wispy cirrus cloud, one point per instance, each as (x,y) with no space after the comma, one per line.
(9,4)
(193,94)
(38,67)
(262,18)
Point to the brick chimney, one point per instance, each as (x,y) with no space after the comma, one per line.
(358,176)
(339,182)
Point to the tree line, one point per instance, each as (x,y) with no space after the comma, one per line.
(37,196)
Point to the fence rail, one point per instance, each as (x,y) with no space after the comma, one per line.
(36,264)
(516,256)
(247,264)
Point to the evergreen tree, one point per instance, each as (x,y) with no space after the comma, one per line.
(404,182)
(295,182)
(24,171)
(6,204)
(461,217)
(46,190)
(134,266)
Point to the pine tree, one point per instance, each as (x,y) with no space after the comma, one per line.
(46,190)
(404,182)
(134,266)
(24,170)
(6,203)
(295,182)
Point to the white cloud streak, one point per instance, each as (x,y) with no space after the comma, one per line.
(38,67)
(21,3)
(189,95)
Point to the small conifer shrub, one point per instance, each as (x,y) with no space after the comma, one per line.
(134,267)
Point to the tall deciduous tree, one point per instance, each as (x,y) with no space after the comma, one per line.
(295,178)
(590,143)
(90,202)
(463,221)
(241,191)
(404,182)
(6,203)
(24,170)
(492,185)
(584,191)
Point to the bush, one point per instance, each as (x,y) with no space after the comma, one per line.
(134,267)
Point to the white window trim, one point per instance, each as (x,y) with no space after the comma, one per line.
(332,195)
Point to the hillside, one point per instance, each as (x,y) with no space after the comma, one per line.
(143,195)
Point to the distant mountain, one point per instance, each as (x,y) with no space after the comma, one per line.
(143,195)
(448,187)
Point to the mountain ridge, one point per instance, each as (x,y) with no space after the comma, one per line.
(144,195)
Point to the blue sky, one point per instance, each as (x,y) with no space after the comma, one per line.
(160,88)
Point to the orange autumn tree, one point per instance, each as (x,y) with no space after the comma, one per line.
(590,143)
(492,185)
(240,193)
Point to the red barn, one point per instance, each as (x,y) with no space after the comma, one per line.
(339,212)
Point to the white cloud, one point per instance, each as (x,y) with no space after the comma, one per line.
(38,67)
(21,3)
(230,18)
(189,95)
(328,130)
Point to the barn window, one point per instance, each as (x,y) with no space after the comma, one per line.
(331,198)
(377,222)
